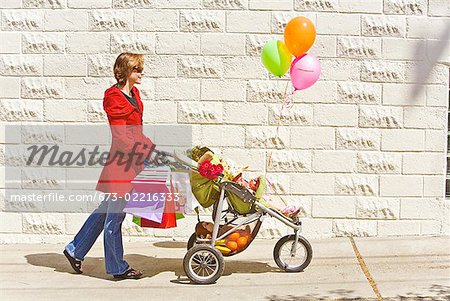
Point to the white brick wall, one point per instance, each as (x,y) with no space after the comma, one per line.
(362,151)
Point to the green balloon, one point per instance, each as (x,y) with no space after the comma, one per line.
(276,57)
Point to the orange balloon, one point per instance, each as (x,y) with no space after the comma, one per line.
(299,35)
(232,245)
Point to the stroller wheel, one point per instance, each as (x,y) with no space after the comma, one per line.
(203,264)
(291,260)
(192,240)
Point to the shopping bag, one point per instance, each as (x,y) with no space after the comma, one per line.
(168,219)
(146,205)
(185,200)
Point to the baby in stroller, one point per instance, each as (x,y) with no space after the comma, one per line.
(233,172)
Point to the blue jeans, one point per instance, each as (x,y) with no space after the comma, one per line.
(109,217)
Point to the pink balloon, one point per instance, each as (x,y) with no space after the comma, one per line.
(305,71)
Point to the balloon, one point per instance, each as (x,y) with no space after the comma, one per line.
(299,35)
(305,71)
(276,57)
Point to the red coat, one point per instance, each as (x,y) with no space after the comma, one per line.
(123,164)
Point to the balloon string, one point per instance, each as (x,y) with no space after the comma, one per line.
(287,103)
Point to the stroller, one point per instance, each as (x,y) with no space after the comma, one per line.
(237,216)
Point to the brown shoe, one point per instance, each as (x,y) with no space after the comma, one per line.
(76,264)
(130,274)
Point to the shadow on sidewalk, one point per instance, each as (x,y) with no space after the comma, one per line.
(149,265)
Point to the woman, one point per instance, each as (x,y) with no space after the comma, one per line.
(123,106)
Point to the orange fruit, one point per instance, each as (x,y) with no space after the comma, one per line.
(232,245)
(234,236)
(242,241)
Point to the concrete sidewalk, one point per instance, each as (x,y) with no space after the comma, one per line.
(404,268)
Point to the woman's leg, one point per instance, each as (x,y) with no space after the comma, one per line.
(114,262)
(86,237)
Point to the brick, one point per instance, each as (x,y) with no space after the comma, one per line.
(21,65)
(178,3)
(335,115)
(266,137)
(43,223)
(42,87)
(248,21)
(438,50)
(255,42)
(434,186)
(361,6)
(21,200)
(95,112)
(254,158)
(86,88)
(74,222)
(89,4)
(400,185)
(426,118)
(65,65)
(147,89)
(324,46)
(403,140)
(340,69)
(363,139)
(298,114)
(377,208)
(223,135)
(401,49)
(439,8)
(89,42)
(383,26)
(199,67)
(379,163)
(100,64)
(338,24)
(167,112)
(243,67)
(346,228)
(360,93)
(316,5)
(223,90)
(435,140)
(65,20)
(45,133)
(426,28)
(290,161)
(430,227)
(67,110)
(14,110)
(222,44)
(333,206)
(317,228)
(155,20)
(106,20)
(10,42)
(406,95)
(91,135)
(10,87)
(203,112)
(225,4)
(11,4)
(379,116)
(270,4)
(422,208)
(43,3)
(334,161)
(320,92)
(311,184)
(245,113)
(10,222)
(423,163)
(280,20)
(405,7)
(398,228)
(135,43)
(180,89)
(22,20)
(382,71)
(177,43)
(356,185)
(352,47)
(265,91)
(202,21)
(43,42)
(160,66)
(312,137)
(43,178)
